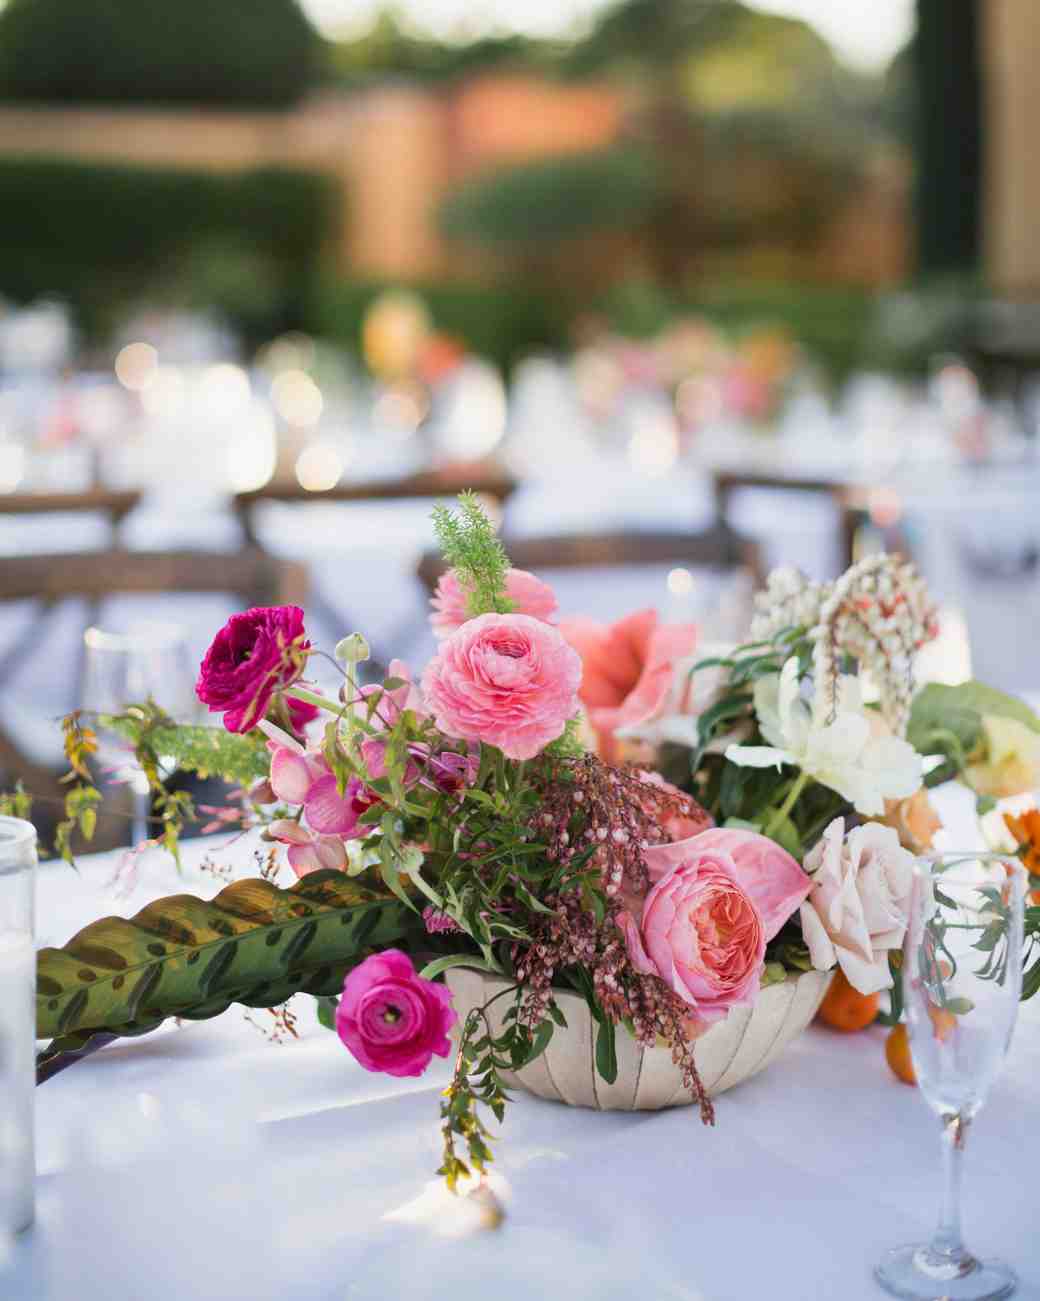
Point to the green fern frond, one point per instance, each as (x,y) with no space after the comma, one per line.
(207,751)
(470,546)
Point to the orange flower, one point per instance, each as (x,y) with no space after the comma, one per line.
(914,820)
(1026,830)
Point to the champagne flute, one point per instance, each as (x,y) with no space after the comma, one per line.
(962,980)
(147,661)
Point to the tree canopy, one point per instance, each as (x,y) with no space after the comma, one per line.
(243,52)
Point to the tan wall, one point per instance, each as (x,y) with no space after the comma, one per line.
(392,150)
(1011,196)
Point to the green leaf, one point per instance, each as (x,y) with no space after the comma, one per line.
(182,956)
(326,1007)
(948,720)
(606,1051)
(439,965)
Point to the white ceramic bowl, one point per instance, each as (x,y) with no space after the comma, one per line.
(647,1080)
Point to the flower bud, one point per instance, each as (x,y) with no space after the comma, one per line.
(353,649)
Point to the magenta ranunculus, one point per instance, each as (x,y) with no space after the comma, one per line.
(391,1019)
(528,594)
(702,934)
(766,871)
(506,679)
(254,655)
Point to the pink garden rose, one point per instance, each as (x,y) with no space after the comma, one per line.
(528,594)
(505,679)
(391,1019)
(702,934)
(765,871)
(254,655)
(627,669)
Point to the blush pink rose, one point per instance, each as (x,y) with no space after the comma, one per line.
(528,594)
(702,934)
(505,679)
(627,669)
(766,871)
(391,1019)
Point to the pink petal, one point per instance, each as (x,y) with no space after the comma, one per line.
(327,811)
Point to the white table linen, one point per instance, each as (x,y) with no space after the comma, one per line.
(206,1162)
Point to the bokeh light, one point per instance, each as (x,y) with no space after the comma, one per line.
(12,466)
(319,467)
(136,366)
(252,454)
(680,582)
(297,398)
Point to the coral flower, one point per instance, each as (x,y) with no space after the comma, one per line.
(627,669)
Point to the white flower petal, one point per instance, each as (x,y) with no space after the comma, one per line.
(757,756)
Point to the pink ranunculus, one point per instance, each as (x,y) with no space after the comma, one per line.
(627,669)
(506,679)
(528,594)
(702,934)
(254,655)
(391,1019)
(766,871)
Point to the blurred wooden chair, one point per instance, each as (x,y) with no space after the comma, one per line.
(718,548)
(252,575)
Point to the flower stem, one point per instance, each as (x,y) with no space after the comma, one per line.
(776,821)
(312,698)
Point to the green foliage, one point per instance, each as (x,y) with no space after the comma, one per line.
(555,199)
(477,1080)
(17,803)
(245,52)
(470,546)
(503,322)
(240,758)
(182,956)
(161,232)
(947,720)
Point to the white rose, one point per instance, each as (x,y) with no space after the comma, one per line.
(858,907)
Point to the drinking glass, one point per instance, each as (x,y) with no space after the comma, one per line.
(962,979)
(147,661)
(17,1024)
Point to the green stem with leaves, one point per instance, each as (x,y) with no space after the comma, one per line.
(777,820)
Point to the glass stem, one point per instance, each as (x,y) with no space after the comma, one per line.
(946,1255)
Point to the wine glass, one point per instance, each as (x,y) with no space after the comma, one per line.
(147,661)
(962,980)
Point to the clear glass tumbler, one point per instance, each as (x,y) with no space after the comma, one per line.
(17,1024)
(962,980)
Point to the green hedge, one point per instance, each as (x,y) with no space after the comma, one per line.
(503,322)
(555,199)
(243,52)
(103,235)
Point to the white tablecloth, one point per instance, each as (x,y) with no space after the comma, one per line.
(206,1162)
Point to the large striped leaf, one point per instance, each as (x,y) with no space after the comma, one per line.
(182,956)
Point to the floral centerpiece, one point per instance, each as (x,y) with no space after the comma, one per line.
(749,816)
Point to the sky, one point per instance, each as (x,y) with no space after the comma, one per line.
(864,33)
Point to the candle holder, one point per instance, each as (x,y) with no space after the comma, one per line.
(17,1024)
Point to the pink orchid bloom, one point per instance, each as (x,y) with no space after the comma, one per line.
(628,669)
(299,776)
(308,852)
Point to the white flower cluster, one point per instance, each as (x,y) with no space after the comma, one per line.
(790,600)
(879,612)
